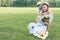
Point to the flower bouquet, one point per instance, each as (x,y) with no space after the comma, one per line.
(45,19)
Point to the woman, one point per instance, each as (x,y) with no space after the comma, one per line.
(36,28)
(45,11)
(41,25)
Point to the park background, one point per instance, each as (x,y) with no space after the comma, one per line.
(27,3)
(15,15)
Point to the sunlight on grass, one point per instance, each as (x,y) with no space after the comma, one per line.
(14,21)
(18,10)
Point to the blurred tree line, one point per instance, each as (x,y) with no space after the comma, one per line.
(27,3)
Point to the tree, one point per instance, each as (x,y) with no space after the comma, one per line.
(6,2)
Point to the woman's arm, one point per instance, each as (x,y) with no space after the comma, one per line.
(51,18)
(47,24)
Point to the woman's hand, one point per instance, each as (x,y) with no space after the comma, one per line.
(48,24)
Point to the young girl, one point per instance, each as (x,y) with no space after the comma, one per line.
(32,25)
(45,11)
(39,6)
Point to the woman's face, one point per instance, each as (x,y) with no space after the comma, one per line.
(44,8)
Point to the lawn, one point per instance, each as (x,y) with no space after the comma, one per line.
(14,21)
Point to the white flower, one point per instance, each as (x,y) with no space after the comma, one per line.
(46,16)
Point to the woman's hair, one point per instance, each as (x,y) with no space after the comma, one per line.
(47,7)
(46,4)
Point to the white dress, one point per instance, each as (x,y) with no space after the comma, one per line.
(35,28)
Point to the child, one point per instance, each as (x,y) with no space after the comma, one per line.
(31,26)
(39,5)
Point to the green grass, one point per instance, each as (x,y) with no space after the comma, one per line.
(14,21)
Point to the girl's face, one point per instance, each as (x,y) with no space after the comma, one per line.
(44,8)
